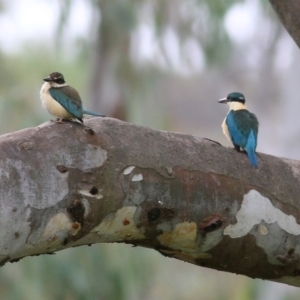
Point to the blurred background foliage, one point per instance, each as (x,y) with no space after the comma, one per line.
(158,63)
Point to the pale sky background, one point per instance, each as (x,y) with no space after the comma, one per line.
(37,20)
(32,20)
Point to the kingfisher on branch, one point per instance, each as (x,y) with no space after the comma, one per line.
(241,126)
(61,100)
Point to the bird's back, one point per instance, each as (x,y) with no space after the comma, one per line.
(240,124)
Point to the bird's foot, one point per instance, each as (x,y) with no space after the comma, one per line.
(237,148)
(59,121)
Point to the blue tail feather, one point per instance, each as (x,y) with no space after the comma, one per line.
(250,149)
(252,157)
(92,113)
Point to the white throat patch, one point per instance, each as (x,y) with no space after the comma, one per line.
(57,85)
(236,105)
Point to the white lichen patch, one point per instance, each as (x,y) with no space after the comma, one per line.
(38,188)
(128,170)
(182,237)
(88,194)
(119,226)
(57,226)
(87,207)
(137,177)
(41,185)
(263,230)
(211,240)
(256,208)
(169,170)
(91,157)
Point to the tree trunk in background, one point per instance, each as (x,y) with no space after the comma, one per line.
(288,13)
(65,185)
(288,140)
(105,91)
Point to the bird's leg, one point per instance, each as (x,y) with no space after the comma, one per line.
(59,121)
(237,148)
(63,121)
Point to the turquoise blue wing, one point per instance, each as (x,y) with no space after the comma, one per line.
(72,105)
(240,123)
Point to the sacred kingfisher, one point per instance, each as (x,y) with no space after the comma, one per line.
(61,100)
(241,126)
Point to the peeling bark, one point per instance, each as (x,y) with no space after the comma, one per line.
(288,13)
(65,185)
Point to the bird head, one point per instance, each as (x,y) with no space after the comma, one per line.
(233,97)
(56,78)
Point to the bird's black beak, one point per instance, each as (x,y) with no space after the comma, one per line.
(223,100)
(48,79)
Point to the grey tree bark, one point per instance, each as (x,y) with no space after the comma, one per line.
(66,185)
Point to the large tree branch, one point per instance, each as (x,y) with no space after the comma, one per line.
(65,185)
(288,13)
